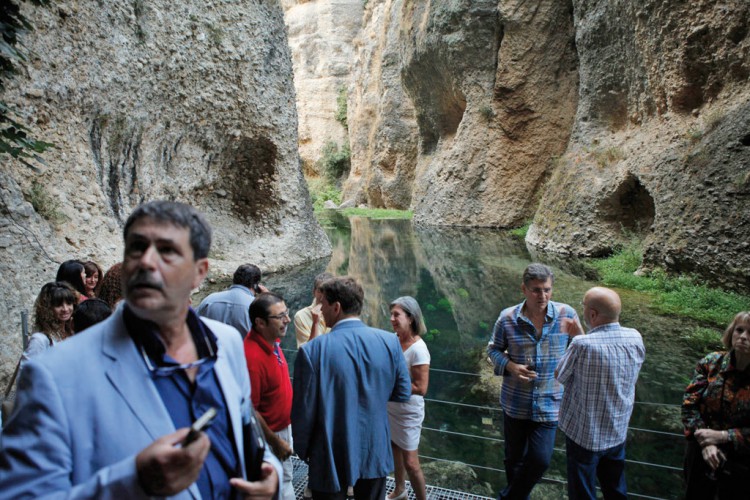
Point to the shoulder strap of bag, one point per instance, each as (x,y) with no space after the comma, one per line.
(12,379)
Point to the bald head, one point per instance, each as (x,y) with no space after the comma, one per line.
(601,306)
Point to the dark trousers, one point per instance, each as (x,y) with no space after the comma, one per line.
(585,466)
(528,450)
(364,489)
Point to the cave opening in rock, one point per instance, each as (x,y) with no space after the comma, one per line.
(249,176)
(630,207)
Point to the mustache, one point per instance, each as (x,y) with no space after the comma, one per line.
(144,279)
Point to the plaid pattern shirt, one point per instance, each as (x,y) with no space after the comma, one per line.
(599,371)
(514,339)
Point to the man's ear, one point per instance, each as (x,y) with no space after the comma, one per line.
(201,266)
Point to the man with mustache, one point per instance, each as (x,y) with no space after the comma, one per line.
(106,415)
(527,342)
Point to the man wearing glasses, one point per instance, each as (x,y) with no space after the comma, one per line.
(269,378)
(105,413)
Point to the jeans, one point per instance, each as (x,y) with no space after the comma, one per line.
(528,450)
(585,466)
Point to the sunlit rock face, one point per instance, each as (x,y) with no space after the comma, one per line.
(661,143)
(463,108)
(321,35)
(601,121)
(191,101)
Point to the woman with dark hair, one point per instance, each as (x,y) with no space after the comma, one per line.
(73,273)
(93,278)
(110,288)
(716,416)
(406,418)
(53,312)
(89,313)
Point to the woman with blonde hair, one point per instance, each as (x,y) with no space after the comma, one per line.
(406,418)
(716,416)
(53,313)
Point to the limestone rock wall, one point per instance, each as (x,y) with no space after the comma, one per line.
(661,142)
(602,121)
(192,101)
(468,103)
(321,34)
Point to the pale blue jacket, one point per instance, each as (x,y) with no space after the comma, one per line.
(86,408)
(230,306)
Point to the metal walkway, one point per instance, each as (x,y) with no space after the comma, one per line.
(433,493)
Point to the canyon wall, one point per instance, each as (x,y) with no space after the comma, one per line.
(660,149)
(603,122)
(191,101)
(321,37)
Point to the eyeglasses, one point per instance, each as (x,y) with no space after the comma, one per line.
(166,371)
(281,316)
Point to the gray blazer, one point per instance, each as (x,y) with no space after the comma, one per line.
(88,406)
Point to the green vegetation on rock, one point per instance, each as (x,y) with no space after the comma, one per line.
(681,295)
(377,213)
(14,136)
(334,161)
(520,232)
(45,205)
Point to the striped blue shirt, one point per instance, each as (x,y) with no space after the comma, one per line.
(514,339)
(599,371)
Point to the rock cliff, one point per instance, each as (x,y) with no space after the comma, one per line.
(321,37)
(661,143)
(190,100)
(602,121)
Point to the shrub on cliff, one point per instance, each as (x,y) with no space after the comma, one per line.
(14,136)
(334,162)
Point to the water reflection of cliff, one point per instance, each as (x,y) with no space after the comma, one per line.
(478,271)
(381,257)
(467,275)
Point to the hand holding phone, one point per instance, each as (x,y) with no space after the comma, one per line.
(199,425)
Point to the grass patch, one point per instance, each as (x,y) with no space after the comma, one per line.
(702,340)
(322,191)
(45,205)
(377,213)
(685,296)
(520,232)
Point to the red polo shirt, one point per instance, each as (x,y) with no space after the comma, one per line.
(269,380)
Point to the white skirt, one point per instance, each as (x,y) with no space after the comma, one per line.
(406,420)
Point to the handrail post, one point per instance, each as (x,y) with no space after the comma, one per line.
(24,328)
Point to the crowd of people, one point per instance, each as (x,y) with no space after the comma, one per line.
(108,413)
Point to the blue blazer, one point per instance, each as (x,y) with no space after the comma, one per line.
(342,382)
(88,406)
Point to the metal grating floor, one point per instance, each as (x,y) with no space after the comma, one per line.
(433,492)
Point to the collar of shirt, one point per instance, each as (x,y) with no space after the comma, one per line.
(604,328)
(244,289)
(548,316)
(260,340)
(146,333)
